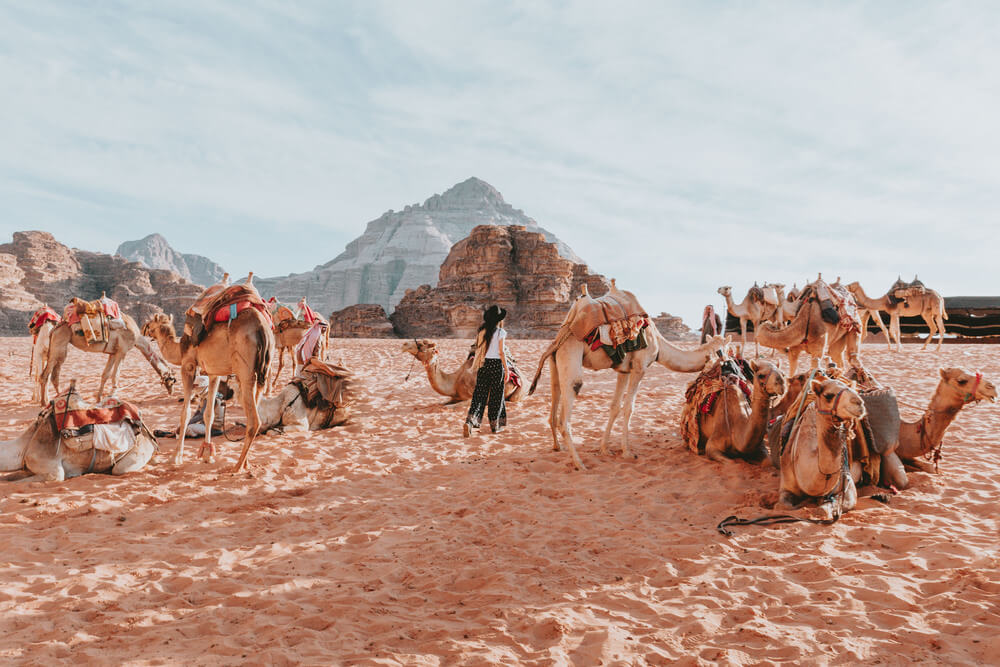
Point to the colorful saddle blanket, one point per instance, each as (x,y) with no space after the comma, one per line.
(92,319)
(219,304)
(616,307)
(40,317)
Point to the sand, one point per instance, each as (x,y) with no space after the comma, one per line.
(395,540)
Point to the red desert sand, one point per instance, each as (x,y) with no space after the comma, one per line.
(395,540)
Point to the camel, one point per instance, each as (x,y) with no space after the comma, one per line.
(789,306)
(243,348)
(734,429)
(41,451)
(815,460)
(285,340)
(295,408)
(750,309)
(809,332)
(569,356)
(957,388)
(926,303)
(41,334)
(119,342)
(460,383)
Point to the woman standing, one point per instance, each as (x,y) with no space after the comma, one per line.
(490,366)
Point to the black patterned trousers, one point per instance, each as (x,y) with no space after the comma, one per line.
(489,392)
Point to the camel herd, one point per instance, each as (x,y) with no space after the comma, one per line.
(735,409)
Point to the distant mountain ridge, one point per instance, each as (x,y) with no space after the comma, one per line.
(154,252)
(402,250)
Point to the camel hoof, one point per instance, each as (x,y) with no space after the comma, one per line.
(178,459)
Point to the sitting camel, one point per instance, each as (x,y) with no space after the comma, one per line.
(459,384)
(734,425)
(956,389)
(42,451)
(310,402)
(815,458)
(809,332)
(242,347)
(569,356)
(119,342)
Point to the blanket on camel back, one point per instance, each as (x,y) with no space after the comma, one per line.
(703,392)
(40,317)
(614,322)
(110,426)
(92,319)
(836,304)
(221,304)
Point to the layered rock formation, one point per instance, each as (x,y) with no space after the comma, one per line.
(364,320)
(154,252)
(403,250)
(511,266)
(37,269)
(673,327)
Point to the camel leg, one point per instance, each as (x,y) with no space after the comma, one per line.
(878,320)
(53,364)
(894,328)
(555,401)
(931,330)
(207,449)
(248,394)
(634,379)
(116,361)
(787,500)
(793,360)
(281,364)
(743,331)
(570,386)
(893,472)
(940,325)
(616,405)
(715,449)
(135,459)
(187,380)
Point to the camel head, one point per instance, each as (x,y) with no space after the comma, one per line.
(835,398)
(160,323)
(967,385)
(767,379)
(424,350)
(725,290)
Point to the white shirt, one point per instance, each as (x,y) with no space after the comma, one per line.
(493,351)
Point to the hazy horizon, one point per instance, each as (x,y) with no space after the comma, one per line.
(676,147)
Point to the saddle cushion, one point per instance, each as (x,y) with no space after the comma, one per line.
(590,313)
(71,413)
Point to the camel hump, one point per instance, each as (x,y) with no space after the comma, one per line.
(591,313)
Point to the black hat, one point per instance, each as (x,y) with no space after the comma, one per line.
(494,314)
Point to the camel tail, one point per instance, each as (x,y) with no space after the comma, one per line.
(262,360)
(561,337)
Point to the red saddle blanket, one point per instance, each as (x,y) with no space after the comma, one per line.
(72,413)
(615,306)
(41,316)
(223,305)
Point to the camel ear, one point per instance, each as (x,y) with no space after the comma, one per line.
(945,373)
(171,318)
(817,387)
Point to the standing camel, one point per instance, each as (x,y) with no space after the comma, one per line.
(459,384)
(569,356)
(42,322)
(117,345)
(243,348)
(903,300)
(751,309)
(789,306)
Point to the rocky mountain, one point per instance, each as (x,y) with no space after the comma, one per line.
(37,269)
(513,266)
(364,320)
(154,252)
(403,249)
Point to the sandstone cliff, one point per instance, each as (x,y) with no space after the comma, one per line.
(402,250)
(511,266)
(154,252)
(673,328)
(37,269)
(364,320)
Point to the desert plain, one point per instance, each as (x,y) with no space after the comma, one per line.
(394,540)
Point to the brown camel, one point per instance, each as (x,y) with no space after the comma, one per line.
(789,306)
(301,405)
(118,343)
(42,322)
(570,356)
(243,348)
(905,300)
(286,339)
(732,428)
(459,384)
(957,388)
(809,332)
(815,460)
(40,450)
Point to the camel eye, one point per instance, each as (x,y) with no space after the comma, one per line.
(760,376)
(963,381)
(828,397)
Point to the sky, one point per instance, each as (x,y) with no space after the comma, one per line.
(674,146)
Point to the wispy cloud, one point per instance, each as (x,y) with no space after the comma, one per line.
(676,146)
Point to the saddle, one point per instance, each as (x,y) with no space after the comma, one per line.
(93,319)
(221,304)
(770,295)
(702,393)
(620,310)
(837,305)
(326,386)
(40,317)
